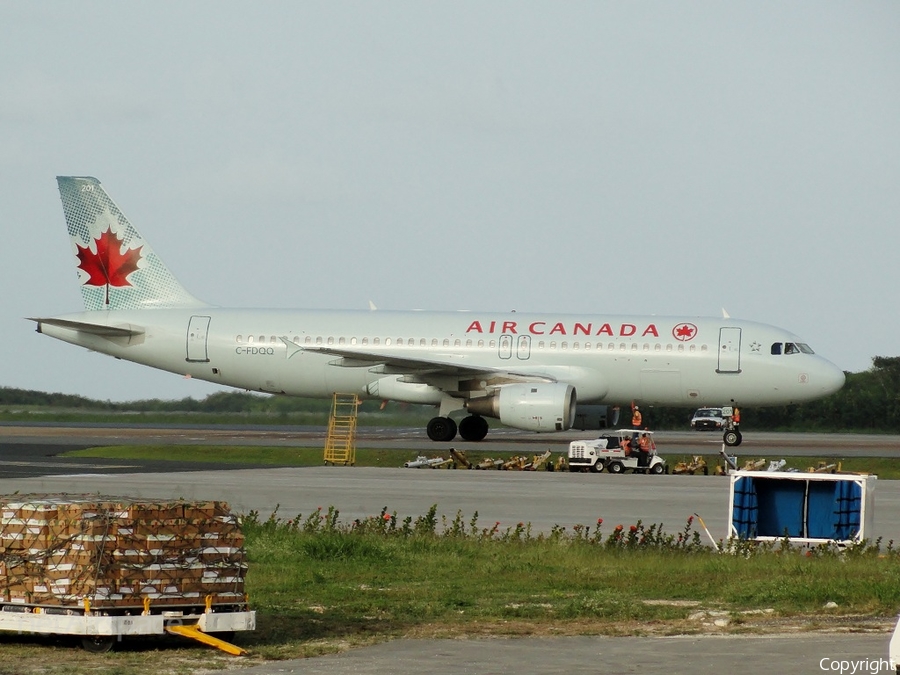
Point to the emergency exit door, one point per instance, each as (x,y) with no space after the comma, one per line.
(197,334)
(729,350)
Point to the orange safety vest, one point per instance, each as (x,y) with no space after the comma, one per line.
(736,416)
(645,443)
(636,418)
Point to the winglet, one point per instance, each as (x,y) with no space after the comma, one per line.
(117,269)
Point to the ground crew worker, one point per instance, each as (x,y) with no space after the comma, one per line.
(636,418)
(644,445)
(736,417)
(626,446)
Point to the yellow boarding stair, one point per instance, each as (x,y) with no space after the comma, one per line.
(340,444)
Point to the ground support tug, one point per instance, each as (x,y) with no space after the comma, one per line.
(607,453)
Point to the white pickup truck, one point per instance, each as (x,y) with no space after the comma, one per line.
(607,452)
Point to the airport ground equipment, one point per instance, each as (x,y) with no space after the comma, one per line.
(105,568)
(807,508)
(340,443)
(460,459)
(423,462)
(607,453)
(696,465)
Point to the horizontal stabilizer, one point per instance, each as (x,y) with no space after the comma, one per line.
(92,328)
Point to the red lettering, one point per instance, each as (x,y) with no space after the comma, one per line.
(581,328)
(535,331)
(605,329)
(475,326)
(493,326)
(651,330)
(558,328)
(627,330)
(509,327)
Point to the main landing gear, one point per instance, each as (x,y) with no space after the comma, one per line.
(443,429)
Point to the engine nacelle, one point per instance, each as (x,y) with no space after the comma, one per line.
(544,406)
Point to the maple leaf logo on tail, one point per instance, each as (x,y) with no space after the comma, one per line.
(108,265)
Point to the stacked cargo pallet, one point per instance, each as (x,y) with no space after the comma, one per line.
(118,553)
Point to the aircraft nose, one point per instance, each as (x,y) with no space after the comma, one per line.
(833,378)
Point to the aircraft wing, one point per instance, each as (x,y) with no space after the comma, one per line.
(425,369)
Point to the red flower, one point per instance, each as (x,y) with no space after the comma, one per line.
(633,528)
(619,528)
(386,516)
(599,521)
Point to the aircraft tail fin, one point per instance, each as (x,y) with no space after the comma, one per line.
(117,269)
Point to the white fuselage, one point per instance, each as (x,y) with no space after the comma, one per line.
(672,361)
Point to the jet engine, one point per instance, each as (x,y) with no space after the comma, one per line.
(543,406)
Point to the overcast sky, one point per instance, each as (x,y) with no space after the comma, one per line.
(629,157)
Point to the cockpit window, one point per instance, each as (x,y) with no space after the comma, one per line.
(791,348)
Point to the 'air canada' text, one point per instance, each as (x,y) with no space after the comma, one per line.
(545,328)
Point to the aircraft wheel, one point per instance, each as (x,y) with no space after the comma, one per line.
(732,438)
(441,429)
(473,428)
(615,467)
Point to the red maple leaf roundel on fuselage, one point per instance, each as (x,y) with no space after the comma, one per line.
(108,266)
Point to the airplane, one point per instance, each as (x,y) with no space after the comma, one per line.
(536,372)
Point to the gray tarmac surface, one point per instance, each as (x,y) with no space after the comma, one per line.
(29,463)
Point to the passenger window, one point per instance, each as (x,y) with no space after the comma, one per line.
(481,343)
(273,340)
(353,341)
(423,342)
(249,339)
(239,339)
(262,339)
(399,341)
(434,342)
(331,340)
(387,342)
(319,340)
(552,345)
(776,348)
(657,347)
(446,342)
(308,339)
(365,341)
(456,343)
(342,341)
(563,345)
(468,343)
(376,341)
(646,346)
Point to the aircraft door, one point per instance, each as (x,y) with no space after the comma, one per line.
(197,335)
(506,346)
(523,347)
(729,350)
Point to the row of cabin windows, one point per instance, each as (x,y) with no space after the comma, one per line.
(491,344)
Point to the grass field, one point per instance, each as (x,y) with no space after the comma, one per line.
(321,586)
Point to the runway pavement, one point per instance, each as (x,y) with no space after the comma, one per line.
(29,462)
